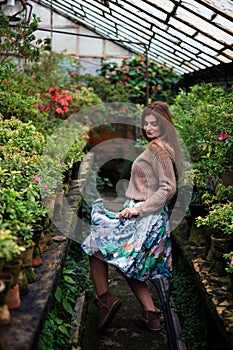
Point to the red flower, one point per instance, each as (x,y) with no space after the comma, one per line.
(80,84)
(102,57)
(59,111)
(72,74)
(123,110)
(125,58)
(222,137)
(85,136)
(66,109)
(69,98)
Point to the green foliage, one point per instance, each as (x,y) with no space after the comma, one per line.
(102,87)
(9,248)
(204,118)
(132,76)
(189,307)
(20,41)
(75,279)
(219,219)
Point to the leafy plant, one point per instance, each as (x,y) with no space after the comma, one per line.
(75,279)
(20,40)
(9,247)
(219,219)
(131,74)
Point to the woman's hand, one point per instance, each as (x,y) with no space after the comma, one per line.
(128,213)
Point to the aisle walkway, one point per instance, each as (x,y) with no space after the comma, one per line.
(121,333)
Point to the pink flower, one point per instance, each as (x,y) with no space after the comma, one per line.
(59,111)
(46,187)
(232,261)
(36,179)
(62,164)
(90,123)
(80,84)
(222,137)
(64,103)
(66,109)
(64,92)
(102,57)
(123,110)
(85,136)
(72,74)
(69,98)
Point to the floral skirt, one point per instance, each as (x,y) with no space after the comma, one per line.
(139,247)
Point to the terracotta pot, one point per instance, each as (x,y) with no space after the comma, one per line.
(219,246)
(5,316)
(197,210)
(7,279)
(26,256)
(14,301)
(13,268)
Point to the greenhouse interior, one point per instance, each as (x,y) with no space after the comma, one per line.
(88,90)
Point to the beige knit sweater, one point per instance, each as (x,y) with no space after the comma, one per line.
(152,178)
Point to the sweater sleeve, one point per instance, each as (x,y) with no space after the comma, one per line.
(162,166)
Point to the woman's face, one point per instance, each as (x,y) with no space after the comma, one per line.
(151,127)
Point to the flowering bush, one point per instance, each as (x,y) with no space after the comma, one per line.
(163,82)
(56,102)
(204,118)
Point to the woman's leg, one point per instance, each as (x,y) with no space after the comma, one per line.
(107,304)
(150,317)
(142,293)
(99,271)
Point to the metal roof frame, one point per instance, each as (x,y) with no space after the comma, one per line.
(185,35)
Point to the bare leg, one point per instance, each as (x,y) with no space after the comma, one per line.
(142,293)
(99,271)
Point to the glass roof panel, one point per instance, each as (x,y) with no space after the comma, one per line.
(166,5)
(210,42)
(225,6)
(182,31)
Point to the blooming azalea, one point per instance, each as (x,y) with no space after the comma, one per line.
(59,111)
(66,109)
(37,179)
(222,137)
(85,136)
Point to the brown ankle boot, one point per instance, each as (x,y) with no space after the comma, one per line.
(108,306)
(149,320)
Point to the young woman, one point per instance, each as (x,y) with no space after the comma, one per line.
(137,240)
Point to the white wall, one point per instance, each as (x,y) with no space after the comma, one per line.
(88,50)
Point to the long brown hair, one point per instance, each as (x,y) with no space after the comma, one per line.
(168,135)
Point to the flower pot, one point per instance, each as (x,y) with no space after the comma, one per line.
(197,210)
(219,246)
(58,204)
(14,301)
(227,178)
(13,268)
(5,316)
(26,256)
(7,279)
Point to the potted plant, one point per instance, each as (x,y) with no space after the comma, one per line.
(219,221)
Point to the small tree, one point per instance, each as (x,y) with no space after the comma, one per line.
(19,40)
